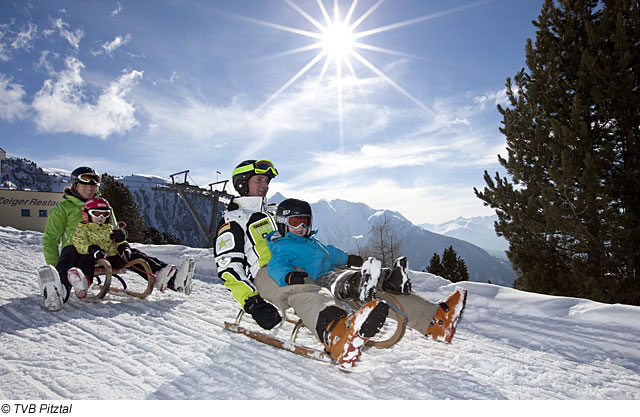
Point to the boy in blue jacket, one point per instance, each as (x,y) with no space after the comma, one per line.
(295,247)
(298,258)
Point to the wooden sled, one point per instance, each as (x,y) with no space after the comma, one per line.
(103,269)
(317,354)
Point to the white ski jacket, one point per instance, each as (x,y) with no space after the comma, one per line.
(241,248)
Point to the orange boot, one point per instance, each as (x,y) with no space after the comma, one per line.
(345,336)
(443,324)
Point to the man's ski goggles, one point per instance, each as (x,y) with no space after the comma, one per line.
(100,213)
(89,179)
(297,222)
(260,167)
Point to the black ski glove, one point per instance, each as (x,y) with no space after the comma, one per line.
(354,260)
(119,235)
(265,314)
(125,251)
(96,251)
(296,277)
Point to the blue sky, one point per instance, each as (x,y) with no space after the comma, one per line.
(406,122)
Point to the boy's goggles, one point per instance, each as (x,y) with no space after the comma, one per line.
(99,213)
(299,221)
(88,178)
(261,167)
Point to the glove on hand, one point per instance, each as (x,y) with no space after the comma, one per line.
(354,260)
(296,277)
(96,251)
(119,235)
(265,314)
(125,251)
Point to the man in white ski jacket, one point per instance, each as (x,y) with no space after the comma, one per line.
(241,249)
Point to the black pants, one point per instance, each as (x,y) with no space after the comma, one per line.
(68,258)
(87,264)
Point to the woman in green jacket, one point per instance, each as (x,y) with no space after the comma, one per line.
(57,244)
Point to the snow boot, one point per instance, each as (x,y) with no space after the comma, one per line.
(397,281)
(358,285)
(182,281)
(444,322)
(345,336)
(163,276)
(79,281)
(51,288)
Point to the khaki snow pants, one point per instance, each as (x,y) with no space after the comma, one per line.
(419,310)
(309,299)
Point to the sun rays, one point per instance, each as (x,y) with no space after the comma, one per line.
(338,41)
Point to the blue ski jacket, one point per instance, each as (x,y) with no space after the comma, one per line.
(293,251)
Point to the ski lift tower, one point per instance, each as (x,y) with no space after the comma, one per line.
(184,189)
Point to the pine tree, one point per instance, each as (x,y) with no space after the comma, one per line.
(571,211)
(435,265)
(124,207)
(452,267)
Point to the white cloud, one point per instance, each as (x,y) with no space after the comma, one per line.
(4,48)
(60,104)
(117,10)
(494,98)
(11,105)
(109,47)
(73,37)
(380,156)
(25,39)
(426,204)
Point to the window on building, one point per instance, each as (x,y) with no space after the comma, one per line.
(25,213)
(42,213)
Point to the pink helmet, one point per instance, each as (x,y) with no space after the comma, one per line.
(96,206)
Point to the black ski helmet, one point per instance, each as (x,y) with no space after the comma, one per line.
(289,208)
(85,175)
(249,168)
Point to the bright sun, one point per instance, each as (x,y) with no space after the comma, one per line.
(337,41)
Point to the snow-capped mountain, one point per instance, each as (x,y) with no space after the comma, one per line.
(477,230)
(347,225)
(341,223)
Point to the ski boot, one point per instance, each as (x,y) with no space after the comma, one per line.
(51,288)
(444,322)
(79,281)
(182,281)
(397,280)
(163,276)
(345,336)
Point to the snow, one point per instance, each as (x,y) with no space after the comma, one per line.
(509,345)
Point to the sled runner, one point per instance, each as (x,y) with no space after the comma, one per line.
(400,317)
(103,267)
(292,346)
(289,345)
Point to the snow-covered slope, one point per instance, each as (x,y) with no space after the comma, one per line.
(509,345)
